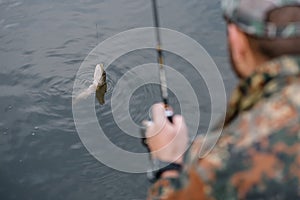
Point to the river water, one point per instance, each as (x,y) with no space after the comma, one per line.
(42,45)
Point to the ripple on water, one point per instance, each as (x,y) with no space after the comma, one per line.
(10,26)
(8,108)
(76,146)
(110,86)
(14,4)
(28,52)
(26,66)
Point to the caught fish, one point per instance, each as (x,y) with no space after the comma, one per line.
(102,87)
(99,86)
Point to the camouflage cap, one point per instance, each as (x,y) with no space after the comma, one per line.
(251,15)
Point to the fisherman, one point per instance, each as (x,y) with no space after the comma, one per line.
(258,153)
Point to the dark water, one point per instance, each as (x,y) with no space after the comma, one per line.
(42,44)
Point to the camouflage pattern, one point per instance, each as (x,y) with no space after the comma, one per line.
(258,154)
(250,16)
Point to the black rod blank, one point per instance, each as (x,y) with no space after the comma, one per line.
(162,73)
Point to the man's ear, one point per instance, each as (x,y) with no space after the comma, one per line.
(241,52)
(238,42)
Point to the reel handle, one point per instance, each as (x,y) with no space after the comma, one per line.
(169,114)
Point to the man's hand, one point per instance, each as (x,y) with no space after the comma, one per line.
(167,141)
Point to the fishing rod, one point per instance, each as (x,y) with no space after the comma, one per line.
(162,77)
(160,58)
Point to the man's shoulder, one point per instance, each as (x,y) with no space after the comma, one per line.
(263,147)
(258,154)
(280,111)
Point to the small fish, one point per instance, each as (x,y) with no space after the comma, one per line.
(102,87)
(99,86)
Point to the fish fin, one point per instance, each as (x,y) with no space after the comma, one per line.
(85,93)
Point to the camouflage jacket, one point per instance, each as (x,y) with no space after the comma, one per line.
(258,153)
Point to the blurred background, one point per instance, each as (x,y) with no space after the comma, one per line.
(42,45)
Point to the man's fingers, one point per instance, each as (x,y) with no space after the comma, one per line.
(147,123)
(158,113)
(179,123)
(178,120)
